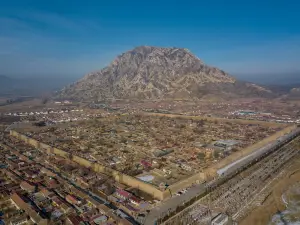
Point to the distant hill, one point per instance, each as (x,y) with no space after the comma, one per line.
(294,93)
(282,89)
(157,73)
(12,87)
(279,79)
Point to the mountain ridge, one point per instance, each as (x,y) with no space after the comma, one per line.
(148,72)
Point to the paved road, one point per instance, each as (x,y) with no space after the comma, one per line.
(172,203)
(258,153)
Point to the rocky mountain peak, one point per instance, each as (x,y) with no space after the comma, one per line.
(147,72)
(158,56)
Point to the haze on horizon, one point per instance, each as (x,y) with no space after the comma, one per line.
(71,38)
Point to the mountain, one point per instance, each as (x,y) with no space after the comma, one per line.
(155,73)
(294,93)
(281,89)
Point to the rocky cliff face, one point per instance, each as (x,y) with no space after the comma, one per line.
(155,73)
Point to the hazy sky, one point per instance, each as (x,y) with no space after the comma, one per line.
(71,38)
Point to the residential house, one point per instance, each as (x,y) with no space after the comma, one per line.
(98,219)
(48,172)
(74,220)
(113,216)
(61,204)
(134,200)
(123,194)
(186,167)
(72,200)
(52,183)
(27,187)
(34,216)
(29,173)
(124,222)
(103,209)
(220,219)
(19,220)
(146,164)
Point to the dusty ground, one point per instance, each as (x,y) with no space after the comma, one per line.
(263,214)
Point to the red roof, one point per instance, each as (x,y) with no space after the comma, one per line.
(135,199)
(71,199)
(145,163)
(29,173)
(26,186)
(75,220)
(124,193)
(52,183)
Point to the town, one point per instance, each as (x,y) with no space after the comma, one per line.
(37,188)
(165,153)
(156,149)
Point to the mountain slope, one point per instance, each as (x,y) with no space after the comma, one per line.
(150,73)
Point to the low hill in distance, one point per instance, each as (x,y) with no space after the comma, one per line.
(12,87)
(295,93)
(159,73)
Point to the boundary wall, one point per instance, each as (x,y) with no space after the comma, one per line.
(118,176)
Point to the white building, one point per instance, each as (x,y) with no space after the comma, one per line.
(220,219)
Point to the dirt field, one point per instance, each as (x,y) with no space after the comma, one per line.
(263,214)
